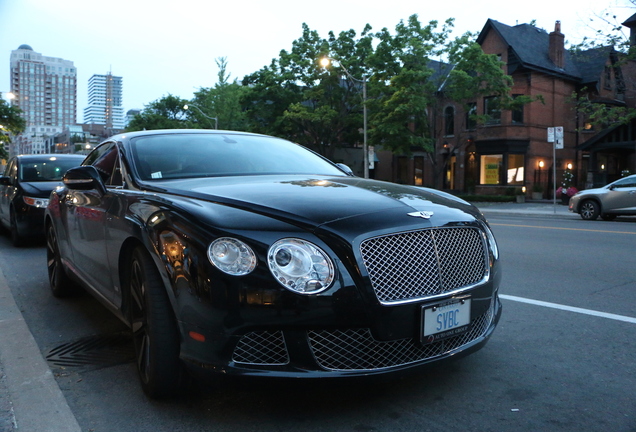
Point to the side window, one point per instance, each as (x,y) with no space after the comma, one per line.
(9,168)
(625,183)
(105,159)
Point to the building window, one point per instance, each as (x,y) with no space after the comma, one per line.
(517,113)
(608,78)
(500,169)
(490,169)
(492,110)
(471,122)
(418,165)
(515,173)
(449,121)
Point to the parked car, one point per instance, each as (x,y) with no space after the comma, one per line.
(25,188)
(614,199)
(243,254)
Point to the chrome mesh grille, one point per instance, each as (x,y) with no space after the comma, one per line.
(261,348)
(416,264)
(356,349)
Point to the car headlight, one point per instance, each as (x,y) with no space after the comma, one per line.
(36,202)
(300,266)
(231,256)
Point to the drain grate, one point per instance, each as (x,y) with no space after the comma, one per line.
(93,351)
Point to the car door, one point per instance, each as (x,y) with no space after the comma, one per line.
(621,198)
(87,216)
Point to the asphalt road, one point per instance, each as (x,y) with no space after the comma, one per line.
(562,358)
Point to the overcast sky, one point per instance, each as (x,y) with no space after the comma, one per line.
(163,47)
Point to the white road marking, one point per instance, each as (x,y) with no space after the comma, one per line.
(570,308)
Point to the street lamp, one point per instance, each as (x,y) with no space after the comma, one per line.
(216,119)
(326,61)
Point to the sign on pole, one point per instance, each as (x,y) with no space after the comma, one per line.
(558,137)
(551,134)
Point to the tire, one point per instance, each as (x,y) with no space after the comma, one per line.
(16,239)
(61,284)
(154,329)
(608,216)
(589,210)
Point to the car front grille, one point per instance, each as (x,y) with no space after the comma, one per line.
(417,264)
(261,348)
(356,349)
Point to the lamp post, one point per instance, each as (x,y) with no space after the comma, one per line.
(216,119)
(325,61)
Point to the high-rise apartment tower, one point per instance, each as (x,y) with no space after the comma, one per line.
(105,102)
(46,92)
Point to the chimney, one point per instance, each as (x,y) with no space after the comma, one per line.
(557,46)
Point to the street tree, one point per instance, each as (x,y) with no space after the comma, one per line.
(610,40)
(164,113)
(220,104)
(298,98)
(11,124)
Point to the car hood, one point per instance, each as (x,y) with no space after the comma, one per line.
(39,189)
(316,200)
(600,190)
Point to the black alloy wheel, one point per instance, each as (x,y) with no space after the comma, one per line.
(589,210)
(154,328)
(61,284)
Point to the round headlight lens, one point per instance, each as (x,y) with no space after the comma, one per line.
(300,266)
(231,256)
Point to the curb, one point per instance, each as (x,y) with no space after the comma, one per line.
(34,400)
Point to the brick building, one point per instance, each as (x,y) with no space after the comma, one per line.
(512,150)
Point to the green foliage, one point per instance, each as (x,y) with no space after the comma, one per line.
(223,102)
(11,124)
(164,113)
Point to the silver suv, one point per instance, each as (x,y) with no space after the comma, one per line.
(614,199)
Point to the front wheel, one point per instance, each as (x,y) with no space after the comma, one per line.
(61,284)
(154,328)
(16,239)
(589,210)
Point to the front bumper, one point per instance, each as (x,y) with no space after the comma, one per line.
(337,352)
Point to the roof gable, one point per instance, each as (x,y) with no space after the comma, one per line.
(530,47)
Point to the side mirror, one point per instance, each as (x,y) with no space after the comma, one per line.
(84,178)
(346,169)
(612,187)
(5,180)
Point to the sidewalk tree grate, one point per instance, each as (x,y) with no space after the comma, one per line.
(93,351)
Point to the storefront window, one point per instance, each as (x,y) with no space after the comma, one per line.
(493,170)
(490,169)
(418,162)
(515,169)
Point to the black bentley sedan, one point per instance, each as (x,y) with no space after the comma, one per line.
(25,188)
(235,253)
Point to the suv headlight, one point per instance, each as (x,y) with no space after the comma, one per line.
(36,202)
(300,266)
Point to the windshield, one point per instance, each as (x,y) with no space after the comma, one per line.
(48,169)
(174,156)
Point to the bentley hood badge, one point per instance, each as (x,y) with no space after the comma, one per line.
(422,214)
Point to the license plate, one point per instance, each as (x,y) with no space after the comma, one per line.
(445,320)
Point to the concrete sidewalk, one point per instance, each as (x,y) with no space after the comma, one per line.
(529,208)
(30,399)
